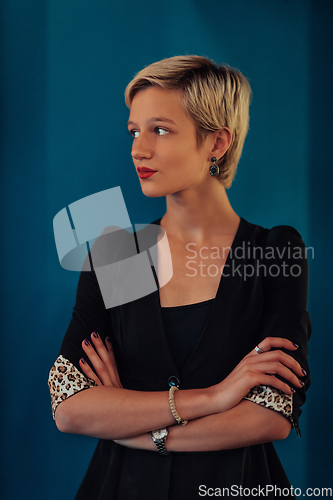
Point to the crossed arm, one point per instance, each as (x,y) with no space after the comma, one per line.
(218,416)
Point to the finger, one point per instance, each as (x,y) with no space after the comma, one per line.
(277,342)
(281,357)
(277,368)
(109,362)
(278,384)
(113,360)
(98,364)
(105,357)
(88,371)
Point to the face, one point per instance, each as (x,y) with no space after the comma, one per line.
(164,140)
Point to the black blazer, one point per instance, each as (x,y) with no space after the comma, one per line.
(247,308)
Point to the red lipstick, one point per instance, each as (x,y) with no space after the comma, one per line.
(145,172)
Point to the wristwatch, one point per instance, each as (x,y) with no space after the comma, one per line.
(159,437)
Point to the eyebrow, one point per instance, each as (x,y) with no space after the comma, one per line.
(155,119)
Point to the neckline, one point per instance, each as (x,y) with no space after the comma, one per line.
(223,280)
(195,304)
(226,264)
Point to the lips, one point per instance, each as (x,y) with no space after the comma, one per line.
(145,169)
(145,172)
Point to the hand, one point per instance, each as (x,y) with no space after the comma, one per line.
(103,360)
(260,369)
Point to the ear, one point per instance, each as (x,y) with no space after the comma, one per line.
(223,138)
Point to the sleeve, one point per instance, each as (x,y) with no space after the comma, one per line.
(285,282)
(89,315)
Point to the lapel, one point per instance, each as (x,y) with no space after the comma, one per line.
(222,318)
(226,337)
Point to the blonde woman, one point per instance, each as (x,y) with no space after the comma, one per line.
(187,387)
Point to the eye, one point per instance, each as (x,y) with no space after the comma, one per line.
(161,131)
(134,133)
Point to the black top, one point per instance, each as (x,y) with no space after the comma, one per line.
(183,326)
(247,308)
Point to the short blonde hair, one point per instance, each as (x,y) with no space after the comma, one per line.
(214,96)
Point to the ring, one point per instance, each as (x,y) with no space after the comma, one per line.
(259,351)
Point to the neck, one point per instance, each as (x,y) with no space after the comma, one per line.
(200,214)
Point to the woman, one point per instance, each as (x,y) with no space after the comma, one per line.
(223,355)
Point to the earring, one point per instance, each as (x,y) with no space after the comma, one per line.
(214,169)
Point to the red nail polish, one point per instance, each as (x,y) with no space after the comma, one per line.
(95,334)
(86,342)
(82,360)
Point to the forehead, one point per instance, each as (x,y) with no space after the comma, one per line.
(157,102)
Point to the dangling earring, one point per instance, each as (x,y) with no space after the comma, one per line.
(214,169)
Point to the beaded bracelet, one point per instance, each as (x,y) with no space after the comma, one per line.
(174,412)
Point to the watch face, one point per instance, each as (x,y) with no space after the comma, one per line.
(160,433)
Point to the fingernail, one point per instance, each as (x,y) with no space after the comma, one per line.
(86,342)
(304,372)
(295,345)
(301,382)
(108,339)
(95,334)
(82,360)
(292,390)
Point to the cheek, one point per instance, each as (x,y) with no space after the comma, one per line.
(181,156)
(192,161)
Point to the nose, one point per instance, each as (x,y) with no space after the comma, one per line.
(141,148)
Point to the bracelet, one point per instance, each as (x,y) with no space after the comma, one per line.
(174,412)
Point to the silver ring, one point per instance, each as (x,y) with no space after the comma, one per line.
(259,351)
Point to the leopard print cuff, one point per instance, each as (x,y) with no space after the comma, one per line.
(65,380)
(265,395)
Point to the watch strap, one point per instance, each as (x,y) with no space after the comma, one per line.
(161,447)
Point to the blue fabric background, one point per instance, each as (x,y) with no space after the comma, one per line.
(64,67)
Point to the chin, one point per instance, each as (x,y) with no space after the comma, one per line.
(153,193)
(152,190)
(156,190)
